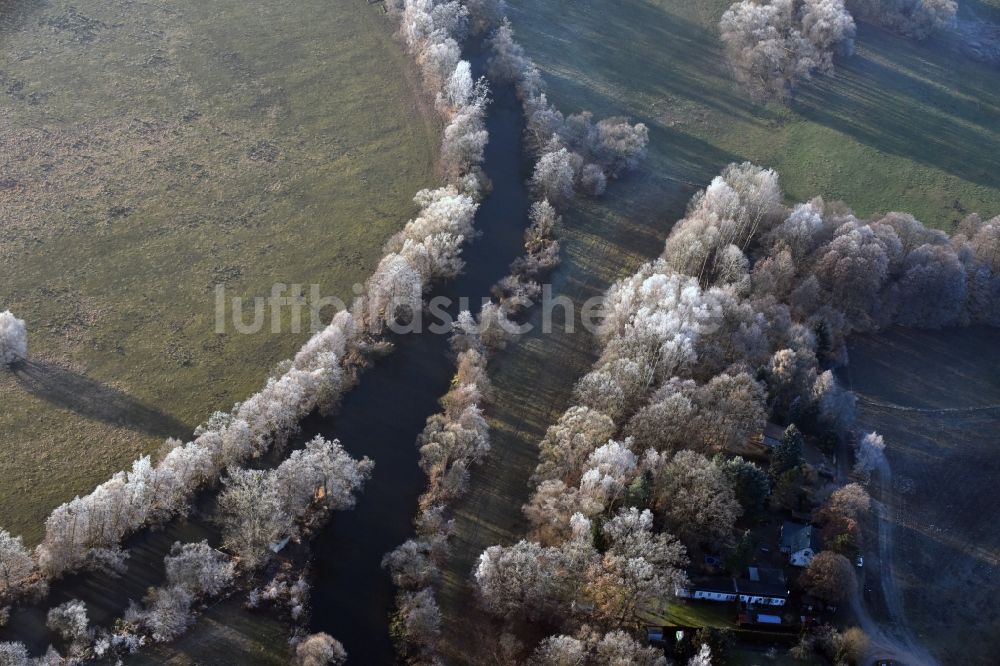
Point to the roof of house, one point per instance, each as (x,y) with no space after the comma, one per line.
(713,584)
(763,583)
(797,536)
(773,434)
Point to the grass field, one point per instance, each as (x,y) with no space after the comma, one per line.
(900,126)
(150,152)
(935,397)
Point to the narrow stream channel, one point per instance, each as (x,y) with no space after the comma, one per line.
(352,595)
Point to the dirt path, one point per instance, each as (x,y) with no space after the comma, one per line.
(925,410)
(895,639)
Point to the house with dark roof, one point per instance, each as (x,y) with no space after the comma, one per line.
(709,588)
(763,586)
(772,435)
(800,542)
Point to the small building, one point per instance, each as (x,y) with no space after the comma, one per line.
(772,435)
(800,542)
(709,588)
(763,586)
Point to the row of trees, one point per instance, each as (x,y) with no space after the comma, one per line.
(88,530)
(451,443)
(774,45)
(836,274)
(574,154)
(458,437)
(734,322)
(258,510)
(913,18)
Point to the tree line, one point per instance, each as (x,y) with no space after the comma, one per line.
(738,320)
(774,45)
(572,155)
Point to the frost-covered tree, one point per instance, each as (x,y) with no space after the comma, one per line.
(13,339)
(775,44)
(260,507)
(14,654)
(639,566)
(609,470)
(15,562)
(69,620)
(913,18)
(616,648)
(869,455)
(420,618)
(837,407)
(513,580)
(168,613)
(569,442)
(696,499)
(252,512)
(703,657)
(411,565)
(555,174)
(735,209)
(559,651)
(319,650)
(198,568)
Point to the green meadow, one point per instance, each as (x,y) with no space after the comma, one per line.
(899,126)
(152,152)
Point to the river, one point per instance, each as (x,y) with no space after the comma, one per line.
(353,596)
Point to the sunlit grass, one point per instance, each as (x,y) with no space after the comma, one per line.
(154,151)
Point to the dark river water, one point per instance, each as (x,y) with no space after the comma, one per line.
(381,418)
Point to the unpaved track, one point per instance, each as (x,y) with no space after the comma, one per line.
(896,639)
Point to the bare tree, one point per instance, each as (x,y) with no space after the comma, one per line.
(830,577)
(198,568)
(319,650)
(15,562)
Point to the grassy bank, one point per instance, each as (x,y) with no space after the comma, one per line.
(899,126)
(152,152)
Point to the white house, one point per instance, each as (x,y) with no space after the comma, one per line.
(799,542)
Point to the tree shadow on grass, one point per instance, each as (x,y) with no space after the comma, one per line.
(94,400)
(897,97)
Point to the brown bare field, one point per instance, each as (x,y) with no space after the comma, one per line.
(935,397)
